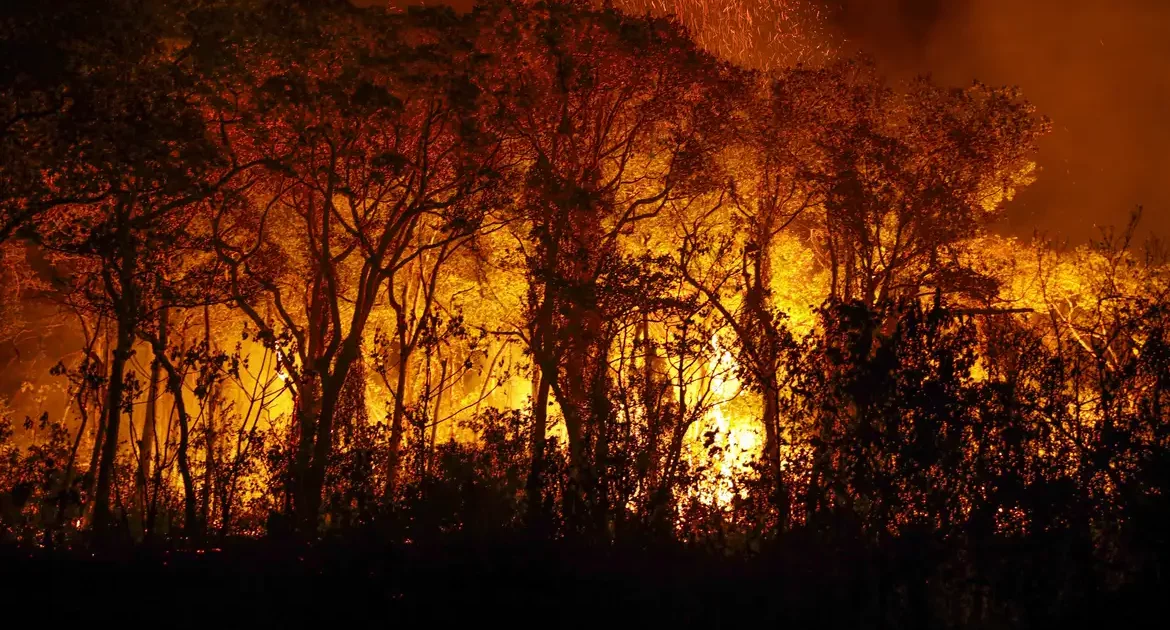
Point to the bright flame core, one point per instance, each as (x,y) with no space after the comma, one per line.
(736,436)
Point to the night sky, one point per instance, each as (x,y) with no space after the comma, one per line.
(1100,69)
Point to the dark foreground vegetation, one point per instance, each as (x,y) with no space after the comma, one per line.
(543,315)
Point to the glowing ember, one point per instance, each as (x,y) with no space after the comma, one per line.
(762,34)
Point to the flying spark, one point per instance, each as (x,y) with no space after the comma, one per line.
(760,34)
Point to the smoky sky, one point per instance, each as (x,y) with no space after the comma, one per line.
(1100,69)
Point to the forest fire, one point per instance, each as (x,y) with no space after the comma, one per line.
(660,276)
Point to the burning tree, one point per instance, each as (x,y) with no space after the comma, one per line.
(751,303)
(378,170)
(617,119)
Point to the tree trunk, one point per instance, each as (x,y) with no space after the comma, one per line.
(308,412)
(146,448)
(600,413)
(95,455)
(175,386)
(660,500)
(535,486)
(396,422)
(125,303)
(438,416)
(125,341)
(67,478)
(314,483)
(208,461)
(209,434)
(768,344)
(99,431)
(545,372)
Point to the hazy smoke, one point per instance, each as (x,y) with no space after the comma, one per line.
(1099,68)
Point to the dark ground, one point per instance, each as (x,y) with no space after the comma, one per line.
(509,585)
(280,584)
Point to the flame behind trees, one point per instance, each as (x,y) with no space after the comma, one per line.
(376,173)
(139,139)
(615,120)
(343,233)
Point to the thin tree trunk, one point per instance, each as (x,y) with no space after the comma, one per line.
(146,448)
(126,308)
(396,422)
(67,478)
(438,416)
(545,373)
(535,489)
(323,442)
(80,397)
(208,461)
(209,433)
(601,411)
(175,388)
(109,454)
(99,432)
(175,385)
